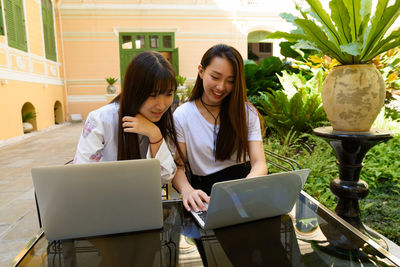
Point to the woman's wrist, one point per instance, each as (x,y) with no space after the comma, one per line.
(156,142)
(156,137)
(186,189)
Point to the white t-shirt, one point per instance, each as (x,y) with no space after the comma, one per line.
(99,142)
(198,135)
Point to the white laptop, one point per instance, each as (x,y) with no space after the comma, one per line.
(99,198)
(249,199)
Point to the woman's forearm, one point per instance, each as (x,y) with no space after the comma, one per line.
(180,181)
(259,168)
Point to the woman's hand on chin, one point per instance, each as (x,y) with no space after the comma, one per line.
(141,125)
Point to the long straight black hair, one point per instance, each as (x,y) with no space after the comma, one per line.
(233,111)
(149,73)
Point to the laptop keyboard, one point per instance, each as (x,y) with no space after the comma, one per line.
(202,215)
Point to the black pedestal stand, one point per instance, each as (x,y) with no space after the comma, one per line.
(350,148)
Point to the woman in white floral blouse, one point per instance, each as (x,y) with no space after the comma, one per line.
(138,123)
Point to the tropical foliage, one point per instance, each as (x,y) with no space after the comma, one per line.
(262,77)
(350,34)
(388,64)
(381,207)
(297,108)
(28,116)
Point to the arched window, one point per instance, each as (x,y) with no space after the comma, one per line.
(258,46)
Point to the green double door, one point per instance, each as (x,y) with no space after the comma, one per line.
(131,44)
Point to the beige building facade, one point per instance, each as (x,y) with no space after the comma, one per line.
(31,67)
(95,39)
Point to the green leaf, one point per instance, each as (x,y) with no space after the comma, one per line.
(315,83)
(270,65)
(319,38)
(288,36)
(249,62)
(305,45)
(365,13)
(340,17)
(288,82)
(384,45)
(354,7)
(289,18)
(288,51)
(319,13)
(111,80)
(353,49)
(381,22)
(393,44)
(302,12)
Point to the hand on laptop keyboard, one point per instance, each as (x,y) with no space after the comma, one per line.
(193,199)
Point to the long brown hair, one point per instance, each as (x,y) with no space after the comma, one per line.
(233,110)
(149,73)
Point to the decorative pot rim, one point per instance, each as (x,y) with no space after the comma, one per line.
(355,65)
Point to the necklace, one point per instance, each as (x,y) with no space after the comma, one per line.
(215,124)
(209,105)
(205,106)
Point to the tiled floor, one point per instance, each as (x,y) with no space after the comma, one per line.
(18,219)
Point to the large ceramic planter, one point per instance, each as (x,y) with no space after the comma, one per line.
(352,96)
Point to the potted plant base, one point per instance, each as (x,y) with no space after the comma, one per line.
(352,96)
(27,127)
(111,90)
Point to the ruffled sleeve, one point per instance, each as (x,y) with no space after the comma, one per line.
(91,143)
(167,163)
(253,124)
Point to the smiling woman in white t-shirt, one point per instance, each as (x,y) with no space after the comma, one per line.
(218,129)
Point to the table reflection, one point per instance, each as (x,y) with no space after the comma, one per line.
(307,236)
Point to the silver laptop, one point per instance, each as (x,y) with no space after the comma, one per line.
(249,199)
(99,198)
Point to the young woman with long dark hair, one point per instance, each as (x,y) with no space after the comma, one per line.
(218,129)
(138,123)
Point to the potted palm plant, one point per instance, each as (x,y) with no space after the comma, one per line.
(111,88)
(180,90)
(353,93)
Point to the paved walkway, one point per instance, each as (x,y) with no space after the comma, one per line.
(18,219)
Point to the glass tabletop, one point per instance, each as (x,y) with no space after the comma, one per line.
(310,235)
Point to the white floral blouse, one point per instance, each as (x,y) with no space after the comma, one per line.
(99,142)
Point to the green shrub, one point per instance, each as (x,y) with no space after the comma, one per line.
(382,166)
(321,171)
(381,208)
(262,77)
(388,64)
(297,108)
